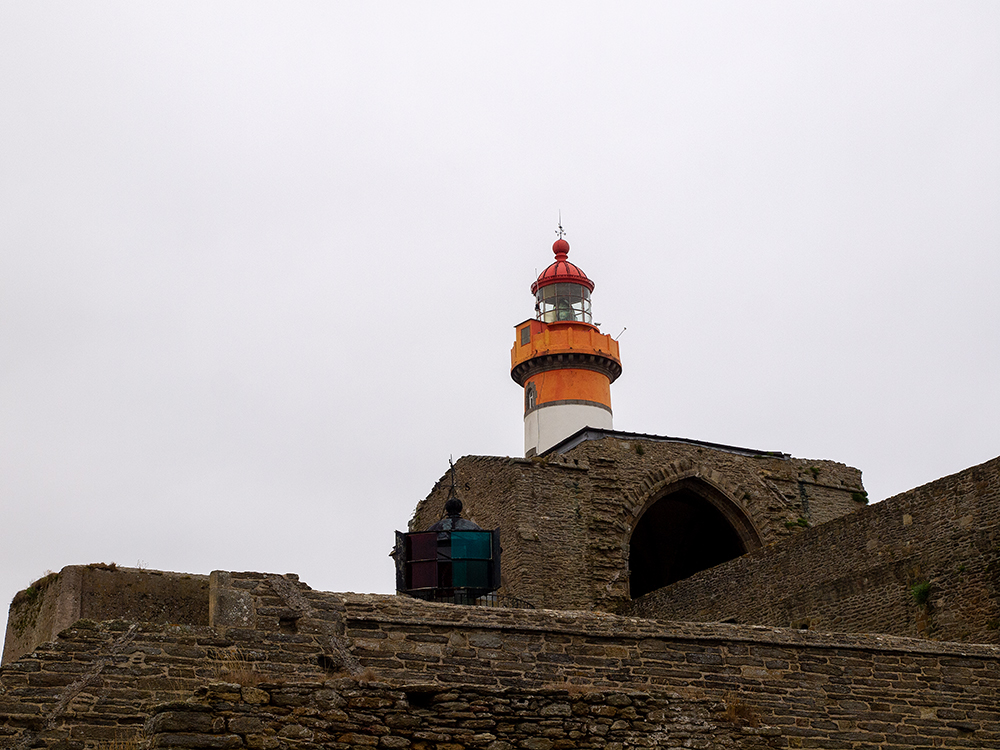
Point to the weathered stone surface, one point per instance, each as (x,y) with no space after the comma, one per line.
(594,495)
(856,573)
(185,721)
(206,741)
(244,725)
(253,695)
(295,732)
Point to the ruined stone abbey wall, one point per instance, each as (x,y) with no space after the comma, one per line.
(566,519)
(868,571)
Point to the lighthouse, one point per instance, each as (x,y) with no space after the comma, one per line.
(561,359)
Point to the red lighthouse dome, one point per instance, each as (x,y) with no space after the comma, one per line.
(562,291)
(562,271)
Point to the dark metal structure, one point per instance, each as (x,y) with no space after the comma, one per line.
(453,561)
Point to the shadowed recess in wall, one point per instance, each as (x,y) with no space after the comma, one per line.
(681,534)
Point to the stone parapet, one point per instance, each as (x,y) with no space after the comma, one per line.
(101,592)
(98,683)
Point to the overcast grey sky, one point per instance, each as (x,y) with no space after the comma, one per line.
(260,263)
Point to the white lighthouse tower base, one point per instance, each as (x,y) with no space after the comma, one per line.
(549,424)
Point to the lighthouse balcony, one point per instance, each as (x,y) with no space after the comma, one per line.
(565,342)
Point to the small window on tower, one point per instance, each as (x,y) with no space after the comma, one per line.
(530,397)
(525,335)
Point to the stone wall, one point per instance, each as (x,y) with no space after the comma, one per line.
(815,689)
(97,683)
(868,571)
(566,519)
(94,682)
(101,592)
(343,714)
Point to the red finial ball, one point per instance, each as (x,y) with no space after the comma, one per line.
(561,248)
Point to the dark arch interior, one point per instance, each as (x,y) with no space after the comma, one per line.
(681,534)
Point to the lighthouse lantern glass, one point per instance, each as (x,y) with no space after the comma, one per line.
(557,302)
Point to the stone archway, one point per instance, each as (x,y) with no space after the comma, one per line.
(686,527)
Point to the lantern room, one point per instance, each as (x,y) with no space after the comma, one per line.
(562,291)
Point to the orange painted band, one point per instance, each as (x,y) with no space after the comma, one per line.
(569,385)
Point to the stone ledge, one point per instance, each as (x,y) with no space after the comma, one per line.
(595,624)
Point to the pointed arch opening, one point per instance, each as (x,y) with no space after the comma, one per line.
(686,528)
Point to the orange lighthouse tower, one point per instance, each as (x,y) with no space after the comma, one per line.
(561,359)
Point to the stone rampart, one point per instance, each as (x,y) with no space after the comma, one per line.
(96,683)
(817,689)
(923,563)
(101,592)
